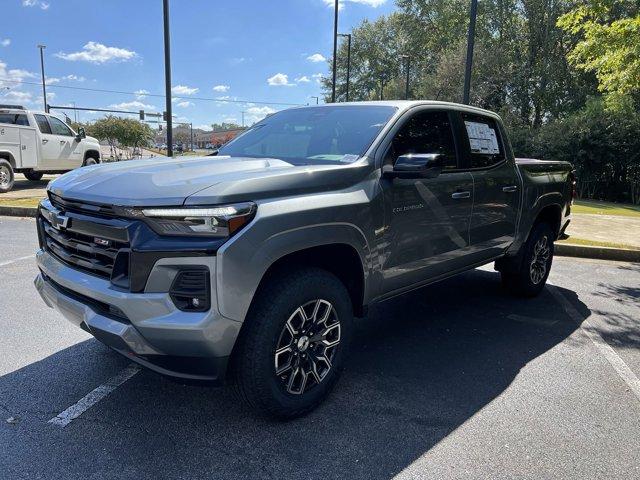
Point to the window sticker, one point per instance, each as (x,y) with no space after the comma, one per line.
(482,138)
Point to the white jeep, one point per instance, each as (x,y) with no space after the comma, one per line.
(35,143)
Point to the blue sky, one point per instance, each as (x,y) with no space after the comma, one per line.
(255,50)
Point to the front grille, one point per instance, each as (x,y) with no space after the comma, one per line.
(86,244)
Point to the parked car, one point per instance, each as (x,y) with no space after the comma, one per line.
(250,267)
(35,143)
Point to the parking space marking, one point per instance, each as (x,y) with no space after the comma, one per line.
(9,262)
(90,399)
(621,368)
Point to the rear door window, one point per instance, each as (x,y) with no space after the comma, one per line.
(43,123)
(483,140)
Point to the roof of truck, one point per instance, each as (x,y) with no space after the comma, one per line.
(404,105)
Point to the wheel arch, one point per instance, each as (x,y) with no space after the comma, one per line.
(8,156)
(91,154)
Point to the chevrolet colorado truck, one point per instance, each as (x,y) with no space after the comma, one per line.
(35,143)
(250,266)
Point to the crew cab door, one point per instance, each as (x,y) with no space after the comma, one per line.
(427,219)
(497,185)
(59,148)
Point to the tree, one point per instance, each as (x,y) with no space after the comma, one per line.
(609,45)
(216,127)
(117,131)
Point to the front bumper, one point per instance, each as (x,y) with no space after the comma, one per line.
(146,327)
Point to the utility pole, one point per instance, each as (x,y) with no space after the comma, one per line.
(408,66)
(167,78)
(335,51)
(242,112)
(191,127)
(348,35)
(381,88)
(44,88)
(470,41)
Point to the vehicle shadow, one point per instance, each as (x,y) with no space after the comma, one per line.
(421,366)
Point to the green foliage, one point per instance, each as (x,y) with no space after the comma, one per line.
(224,126)
(603,145)
(609,45)
(123,132)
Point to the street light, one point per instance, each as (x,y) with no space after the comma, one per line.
(44,88)
(470,41)
(406,87)
(317,99)
(335,50)
(348,35)
(167,77)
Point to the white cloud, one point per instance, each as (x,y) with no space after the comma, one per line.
(5,42)
(98,53)
(134,105)
(29,3)
(237,61)
(51,80)
(13,75)
(44,5)
(184,90)
(318,77)
(221,88)
(316,58)
(303,79)
(140,94)
(369,3)
(255,114)
(17,96)
(75,78)
(279,80)
(185,104)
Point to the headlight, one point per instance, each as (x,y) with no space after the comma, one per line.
(218,222)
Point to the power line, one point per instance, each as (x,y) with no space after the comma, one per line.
(120,92)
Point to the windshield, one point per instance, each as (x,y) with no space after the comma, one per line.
(313,135)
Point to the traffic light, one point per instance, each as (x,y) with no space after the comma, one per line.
(159,127)
(141,115)
(164,116)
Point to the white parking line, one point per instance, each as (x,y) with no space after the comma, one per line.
(9,262)
(621,368)
(90,399)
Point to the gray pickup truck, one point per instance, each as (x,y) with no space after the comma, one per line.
(250,266)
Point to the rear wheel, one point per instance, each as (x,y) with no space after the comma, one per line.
(6,176)
(33,176)
(293,343)
(530,278)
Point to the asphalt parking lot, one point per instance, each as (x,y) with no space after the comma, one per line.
(457,380)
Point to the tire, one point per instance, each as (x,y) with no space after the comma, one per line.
(274,323)
(530,278)
(89,161)
(7,177)
(33,176)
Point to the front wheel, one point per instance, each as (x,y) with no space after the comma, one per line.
(530,278)
(33,176)
(293,344)
(89,161)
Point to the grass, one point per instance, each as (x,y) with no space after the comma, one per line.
(19,202)
(606,208)
(595,243)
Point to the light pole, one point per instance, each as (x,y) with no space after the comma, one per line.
(348,35)
(167,77)
(335,50)
(470,41)
(44,88)
(408,66)
(317,99)
(242,112)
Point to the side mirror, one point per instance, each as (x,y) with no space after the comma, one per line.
(81,134)
(415,165)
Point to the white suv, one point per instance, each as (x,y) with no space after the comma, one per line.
(35,143)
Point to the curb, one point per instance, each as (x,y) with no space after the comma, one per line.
(599,253)
(18,211)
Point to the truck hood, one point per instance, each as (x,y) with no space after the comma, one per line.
(165,181)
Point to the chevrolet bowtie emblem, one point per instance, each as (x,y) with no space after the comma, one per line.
(59,221)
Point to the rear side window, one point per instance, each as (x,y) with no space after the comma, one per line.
(425,132)
(43,124)
(484,140)
(14,119)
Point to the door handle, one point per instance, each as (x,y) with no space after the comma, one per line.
(44,140)
(62,142)
(510,189)
(461,195)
